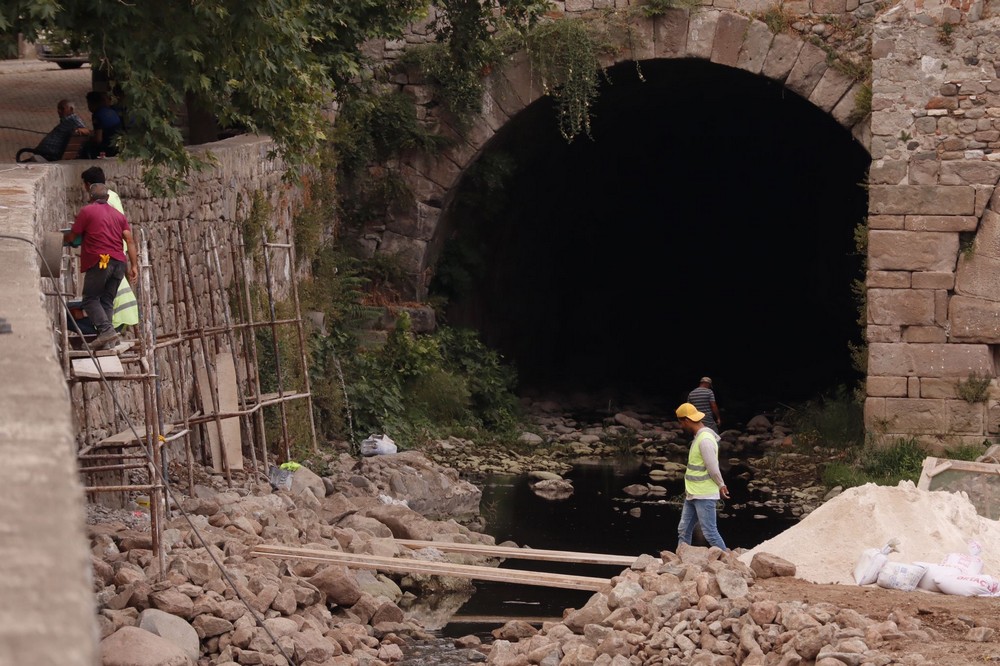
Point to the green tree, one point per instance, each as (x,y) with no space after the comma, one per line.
(265,66)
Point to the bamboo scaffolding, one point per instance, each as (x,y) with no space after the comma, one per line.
(302,341)
(227,318)
(170,341)
(277,351)
(249,334)
(202,337)
(507,552)
(404,565)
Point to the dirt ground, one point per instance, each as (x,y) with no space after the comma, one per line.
(947,618)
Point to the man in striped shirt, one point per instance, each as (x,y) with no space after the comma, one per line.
(703,398)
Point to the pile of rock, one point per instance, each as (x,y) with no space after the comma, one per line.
(312,612)
(698,607)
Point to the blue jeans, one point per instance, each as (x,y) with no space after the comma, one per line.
(701,512)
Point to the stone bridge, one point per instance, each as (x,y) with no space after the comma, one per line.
(933,274)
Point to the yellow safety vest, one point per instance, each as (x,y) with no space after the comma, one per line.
(696,478)
(126,309)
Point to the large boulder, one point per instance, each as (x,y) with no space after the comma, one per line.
(338,584)
(176,630)
(430,489)
(132,646)
(766,565)
(305,479)
(403,523)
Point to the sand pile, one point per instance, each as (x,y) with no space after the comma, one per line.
(826,545)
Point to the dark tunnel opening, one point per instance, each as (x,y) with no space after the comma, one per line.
(706,228)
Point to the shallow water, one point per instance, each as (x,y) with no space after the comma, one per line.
(595,519)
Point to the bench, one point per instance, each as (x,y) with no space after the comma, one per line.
(72,151)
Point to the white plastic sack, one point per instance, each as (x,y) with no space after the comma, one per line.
(871,562)
(900,576)
(970,564)
(378,445)
(933,572)
(968,586)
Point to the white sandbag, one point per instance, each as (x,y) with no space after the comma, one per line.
(871,562)
(900,576)
(378,445)
(934,571)
(968,586)
(970,564)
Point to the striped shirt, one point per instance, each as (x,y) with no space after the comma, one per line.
(702,398)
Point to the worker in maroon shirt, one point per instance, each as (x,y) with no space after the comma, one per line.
(102,261)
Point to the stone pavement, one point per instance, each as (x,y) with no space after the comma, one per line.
(30,91)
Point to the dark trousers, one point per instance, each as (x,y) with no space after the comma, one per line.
(100,285)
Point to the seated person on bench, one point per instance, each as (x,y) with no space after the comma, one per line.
(53,145)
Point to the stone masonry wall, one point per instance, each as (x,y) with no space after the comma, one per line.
(934,240)
(217,199)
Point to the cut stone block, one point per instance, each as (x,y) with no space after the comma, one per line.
(912,250)
(975,319)
(922,200)
(901,306)
(901,359)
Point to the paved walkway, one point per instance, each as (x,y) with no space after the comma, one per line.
(29,91)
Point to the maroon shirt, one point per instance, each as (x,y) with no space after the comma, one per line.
(102,228)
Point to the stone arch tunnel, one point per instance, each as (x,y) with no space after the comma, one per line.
(705,227)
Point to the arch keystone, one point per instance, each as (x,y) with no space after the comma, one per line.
(756,44)
(830,89)
(780,59)
(729,34)
(847,107)
(701,34)
(808,70)
(670,31)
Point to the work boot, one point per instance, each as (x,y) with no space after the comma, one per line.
(102,340)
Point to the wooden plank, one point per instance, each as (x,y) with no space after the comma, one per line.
(521,553)
(924,482)
(500,620)
(229,402)
(205,395)
(267,397)
(943,467)
(126,436)
(406,565)
(85,367)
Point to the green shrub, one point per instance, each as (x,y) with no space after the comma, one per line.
(844,475)
(417,387)
(891,463)
(883,464)
(440,397)
(976,388)
(835,420)
(777,18)
(967,451)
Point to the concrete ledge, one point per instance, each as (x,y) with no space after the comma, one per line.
(48,617)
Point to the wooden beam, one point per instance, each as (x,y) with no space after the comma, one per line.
(521,553)
(408,565)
